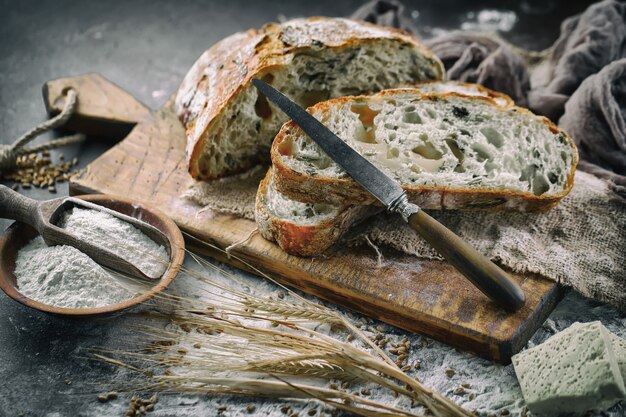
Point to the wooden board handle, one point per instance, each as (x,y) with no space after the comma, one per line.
(484,274)
(104,110)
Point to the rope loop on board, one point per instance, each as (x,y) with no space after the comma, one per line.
(10,153)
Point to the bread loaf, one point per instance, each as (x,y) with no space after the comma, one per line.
(448,151)
(230,126)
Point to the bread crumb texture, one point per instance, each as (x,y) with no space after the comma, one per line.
(230,125)
(445,140)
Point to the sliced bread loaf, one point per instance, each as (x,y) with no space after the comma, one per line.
(303,229)
(446,150)
(230,126)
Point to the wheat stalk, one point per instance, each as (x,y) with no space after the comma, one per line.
(435,402)
(230,332)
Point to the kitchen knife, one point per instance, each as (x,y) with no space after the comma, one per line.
(484,274)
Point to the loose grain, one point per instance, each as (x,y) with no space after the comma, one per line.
(37,170)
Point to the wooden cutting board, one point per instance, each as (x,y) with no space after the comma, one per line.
(425,296)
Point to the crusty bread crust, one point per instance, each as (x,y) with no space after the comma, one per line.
(304,240)
(227,67)
(338,191)
(494,95)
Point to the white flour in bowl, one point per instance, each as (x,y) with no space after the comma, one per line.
(118,236)
(63,276)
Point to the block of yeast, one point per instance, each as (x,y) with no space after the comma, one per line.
(574,370)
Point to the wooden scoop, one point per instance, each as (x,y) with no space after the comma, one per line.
(45,215)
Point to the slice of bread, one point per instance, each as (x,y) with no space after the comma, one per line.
(448,151)
(303,229)
(230,126)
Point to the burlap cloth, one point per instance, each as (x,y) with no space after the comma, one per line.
(579,243)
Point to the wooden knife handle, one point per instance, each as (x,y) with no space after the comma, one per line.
(484,274)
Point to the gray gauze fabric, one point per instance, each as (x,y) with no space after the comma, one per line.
(385,13)
(595,116)
(483,60)
(587,43)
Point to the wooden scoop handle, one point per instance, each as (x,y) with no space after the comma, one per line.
(14,205)
(484,274)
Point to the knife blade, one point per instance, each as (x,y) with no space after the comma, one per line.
(484,274)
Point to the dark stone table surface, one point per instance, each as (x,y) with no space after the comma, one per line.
(146,47)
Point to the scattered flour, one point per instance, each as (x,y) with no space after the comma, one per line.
(63,276)
(118,236)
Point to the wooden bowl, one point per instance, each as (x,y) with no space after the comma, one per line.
(19,234)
